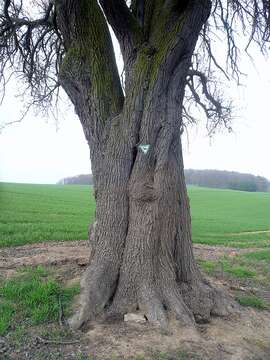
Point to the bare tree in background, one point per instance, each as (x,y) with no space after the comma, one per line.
(142,255)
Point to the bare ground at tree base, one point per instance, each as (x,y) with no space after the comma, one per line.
(244,335)
(77,252)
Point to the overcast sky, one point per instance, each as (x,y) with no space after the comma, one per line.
(38,151)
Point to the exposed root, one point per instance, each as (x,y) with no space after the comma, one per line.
(159,297)
(176,305)
(188,303)
(153,308)
(223,305)
(56,342)
(97,287)
(84,313)
(204,300)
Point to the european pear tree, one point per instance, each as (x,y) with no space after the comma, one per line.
(141,257)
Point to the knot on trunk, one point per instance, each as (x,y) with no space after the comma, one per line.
(143,190)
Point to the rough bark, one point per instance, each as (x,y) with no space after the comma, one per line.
(142,256)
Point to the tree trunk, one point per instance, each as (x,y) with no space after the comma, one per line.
(141,256)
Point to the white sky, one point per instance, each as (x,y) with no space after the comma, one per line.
(34,151)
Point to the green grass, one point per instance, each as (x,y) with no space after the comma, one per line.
(225,217)
(34,213)
(32,297)
(259,256)
(246,272)
(238,271)
(252,301)
(226,266)
(6,314)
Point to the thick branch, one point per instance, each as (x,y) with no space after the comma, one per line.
(194,16)
(125,26)
(89,72)
(138,10)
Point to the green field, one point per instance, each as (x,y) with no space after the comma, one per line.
(34,213)
(33,298)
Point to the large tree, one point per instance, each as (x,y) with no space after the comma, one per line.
(141,256)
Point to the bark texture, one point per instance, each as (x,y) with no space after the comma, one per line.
(142,256)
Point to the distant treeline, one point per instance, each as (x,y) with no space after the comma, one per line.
(84,179)
(226,180)
(208,178)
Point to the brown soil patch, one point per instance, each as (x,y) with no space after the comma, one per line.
(77,252)
(45,254)
(208,252)
(243,336)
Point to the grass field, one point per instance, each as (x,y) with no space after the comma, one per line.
(32,296)
(34,213)
(34,299)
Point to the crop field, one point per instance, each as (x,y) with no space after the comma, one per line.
(39,282)
(35,213)
(228,217)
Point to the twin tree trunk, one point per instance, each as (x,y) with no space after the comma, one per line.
(141,257)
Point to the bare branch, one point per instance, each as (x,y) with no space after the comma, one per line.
(232,23)
(232,17)
(89,72)
(204,93)
(30,49)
